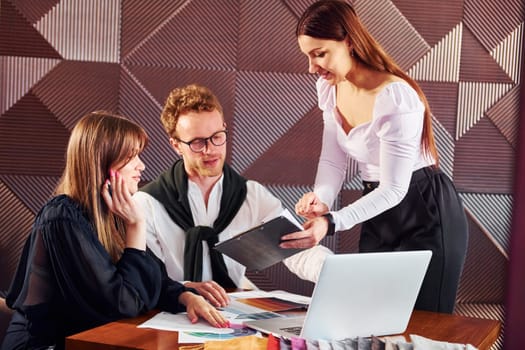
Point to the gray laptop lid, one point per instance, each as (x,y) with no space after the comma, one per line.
(361,295)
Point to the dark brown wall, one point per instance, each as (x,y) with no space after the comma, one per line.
(61,59)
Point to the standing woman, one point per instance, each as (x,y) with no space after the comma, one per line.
(85,262)
(376,114)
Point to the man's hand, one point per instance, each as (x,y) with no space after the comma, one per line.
(212,291)
(314,232)
(197,306)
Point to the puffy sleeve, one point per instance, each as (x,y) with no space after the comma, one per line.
(332,166)
(170,290)
(398,124)
(307,264)
(87,277)
(263,205)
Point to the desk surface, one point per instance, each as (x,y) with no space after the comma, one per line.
(124,334)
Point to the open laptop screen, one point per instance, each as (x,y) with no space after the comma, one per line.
(361,295)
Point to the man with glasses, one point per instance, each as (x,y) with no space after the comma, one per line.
(200,200)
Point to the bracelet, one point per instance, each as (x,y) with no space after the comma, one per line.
(331,224)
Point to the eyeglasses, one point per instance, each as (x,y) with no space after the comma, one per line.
(198,145)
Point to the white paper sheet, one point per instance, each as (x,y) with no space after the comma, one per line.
(236,312)
(281,294)
(180,322)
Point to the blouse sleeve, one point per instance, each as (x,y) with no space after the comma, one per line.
(332,164)
(87,276)
(170,290)
(398,127)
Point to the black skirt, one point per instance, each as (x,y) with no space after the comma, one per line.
(431,216)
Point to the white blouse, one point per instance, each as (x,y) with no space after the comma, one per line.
(387,149)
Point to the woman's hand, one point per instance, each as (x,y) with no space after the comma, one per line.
(197,306)
(121,203)
(314,231)
(309,206)
(212,291)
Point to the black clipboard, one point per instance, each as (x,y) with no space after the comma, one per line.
(258,248)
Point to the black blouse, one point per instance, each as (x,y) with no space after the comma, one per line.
(66,281)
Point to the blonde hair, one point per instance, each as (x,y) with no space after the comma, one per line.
(100,141)
(186,99)
(337,20)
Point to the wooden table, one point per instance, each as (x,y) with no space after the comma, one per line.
(124,334)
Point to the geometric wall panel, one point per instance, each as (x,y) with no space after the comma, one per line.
(436,65)
(204,48)
(75,88)
(269,22)
(387,24)
(505,115)
(282,164)
(477,64)
(19,37)
(493,213)
(490,22)
(442,98)
(136,103)
(34,10)
(484,161)
(136,27)
(91,35)
(297,7)
(446,148)
(160,80)
(19,74)
(474,100)
(423,12)
(509,53)
(32,141)
(287,97)
(33,191)
(481,282)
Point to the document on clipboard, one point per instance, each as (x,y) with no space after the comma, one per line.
(258,248)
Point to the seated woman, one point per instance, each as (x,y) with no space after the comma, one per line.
(85,262)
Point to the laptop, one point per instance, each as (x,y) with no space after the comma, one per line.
(357,295)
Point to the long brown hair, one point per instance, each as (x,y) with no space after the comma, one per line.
(337,20)
(100,141)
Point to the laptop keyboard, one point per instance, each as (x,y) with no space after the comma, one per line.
(294,330)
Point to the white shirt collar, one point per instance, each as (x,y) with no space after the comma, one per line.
(201,215)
